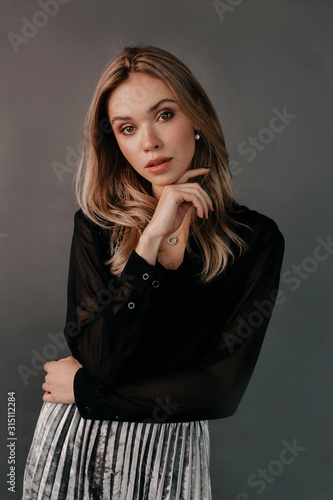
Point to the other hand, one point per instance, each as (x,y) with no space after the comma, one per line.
(59,380)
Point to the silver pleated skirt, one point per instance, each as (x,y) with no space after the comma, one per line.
(74,458)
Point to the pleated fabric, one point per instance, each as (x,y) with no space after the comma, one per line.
(74,458)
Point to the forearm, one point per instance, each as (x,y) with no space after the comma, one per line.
(108,318)
(148,246)
(196,393)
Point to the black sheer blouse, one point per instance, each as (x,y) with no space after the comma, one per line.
(155,344)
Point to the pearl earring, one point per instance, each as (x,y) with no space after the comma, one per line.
(197,136)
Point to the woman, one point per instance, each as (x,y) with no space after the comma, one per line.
(171,288)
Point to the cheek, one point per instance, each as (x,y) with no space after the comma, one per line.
(130,156)
(187,144)
(185,137)
(126,151)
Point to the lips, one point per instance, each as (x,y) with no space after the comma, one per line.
(156,161)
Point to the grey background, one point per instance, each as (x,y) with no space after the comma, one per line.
(263,55)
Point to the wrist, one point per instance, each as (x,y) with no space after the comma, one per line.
(151,234)
(149,245)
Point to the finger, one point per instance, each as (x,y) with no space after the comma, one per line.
(48,365)
(191,173)
(195,185)
(201,195)
(46,387)
(48,397)
(202,207)
(197,200)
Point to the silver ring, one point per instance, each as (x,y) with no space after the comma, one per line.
(172,240)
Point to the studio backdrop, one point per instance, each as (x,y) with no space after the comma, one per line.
(266,66)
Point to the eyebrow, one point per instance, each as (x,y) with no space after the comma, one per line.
(150,110)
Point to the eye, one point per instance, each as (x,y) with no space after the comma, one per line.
(166,113)
(124,128)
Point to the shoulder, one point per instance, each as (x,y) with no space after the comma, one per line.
(91,238)
(80,216)
(260,228)
(84,225)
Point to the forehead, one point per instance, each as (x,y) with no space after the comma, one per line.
(139,92)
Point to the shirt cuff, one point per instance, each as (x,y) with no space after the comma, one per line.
(85,393)
(141,274)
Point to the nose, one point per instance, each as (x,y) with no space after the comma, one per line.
(150,138)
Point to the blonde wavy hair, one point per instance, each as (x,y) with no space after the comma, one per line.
(114,196)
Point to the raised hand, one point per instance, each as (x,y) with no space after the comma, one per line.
(175,202)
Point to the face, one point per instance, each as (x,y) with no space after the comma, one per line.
(148,124)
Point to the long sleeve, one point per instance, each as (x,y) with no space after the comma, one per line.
(214,387)
(105,312)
